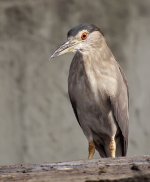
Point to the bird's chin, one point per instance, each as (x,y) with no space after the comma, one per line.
(83,51)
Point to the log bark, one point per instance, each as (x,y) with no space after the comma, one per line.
(121,169)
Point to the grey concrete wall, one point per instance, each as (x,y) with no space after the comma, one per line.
(37,123)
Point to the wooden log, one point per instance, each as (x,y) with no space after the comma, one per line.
(121,169)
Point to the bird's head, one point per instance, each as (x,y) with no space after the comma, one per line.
(80,38)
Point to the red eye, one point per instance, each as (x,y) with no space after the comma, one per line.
(84,35)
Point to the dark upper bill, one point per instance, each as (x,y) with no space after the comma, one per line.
(66,47)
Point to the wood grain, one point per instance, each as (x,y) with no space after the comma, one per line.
(135,169)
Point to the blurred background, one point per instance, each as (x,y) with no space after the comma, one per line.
(37,123)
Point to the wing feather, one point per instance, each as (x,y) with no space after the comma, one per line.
(120,106)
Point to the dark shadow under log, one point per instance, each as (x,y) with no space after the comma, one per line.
(135,169)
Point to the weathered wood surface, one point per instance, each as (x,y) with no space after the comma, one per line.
(135,169)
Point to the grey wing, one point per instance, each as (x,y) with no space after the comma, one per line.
(73,103)
(75,67)
(120,108)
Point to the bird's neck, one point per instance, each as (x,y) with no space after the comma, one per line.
(98,57)
(100,68)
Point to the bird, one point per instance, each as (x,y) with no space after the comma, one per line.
(98,91)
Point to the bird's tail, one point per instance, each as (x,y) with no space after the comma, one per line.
(101,150)
(104,152)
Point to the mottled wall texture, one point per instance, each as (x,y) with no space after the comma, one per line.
(37,123)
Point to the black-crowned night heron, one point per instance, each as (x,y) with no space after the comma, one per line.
(98,91)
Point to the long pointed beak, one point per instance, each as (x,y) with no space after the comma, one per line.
(66,47)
